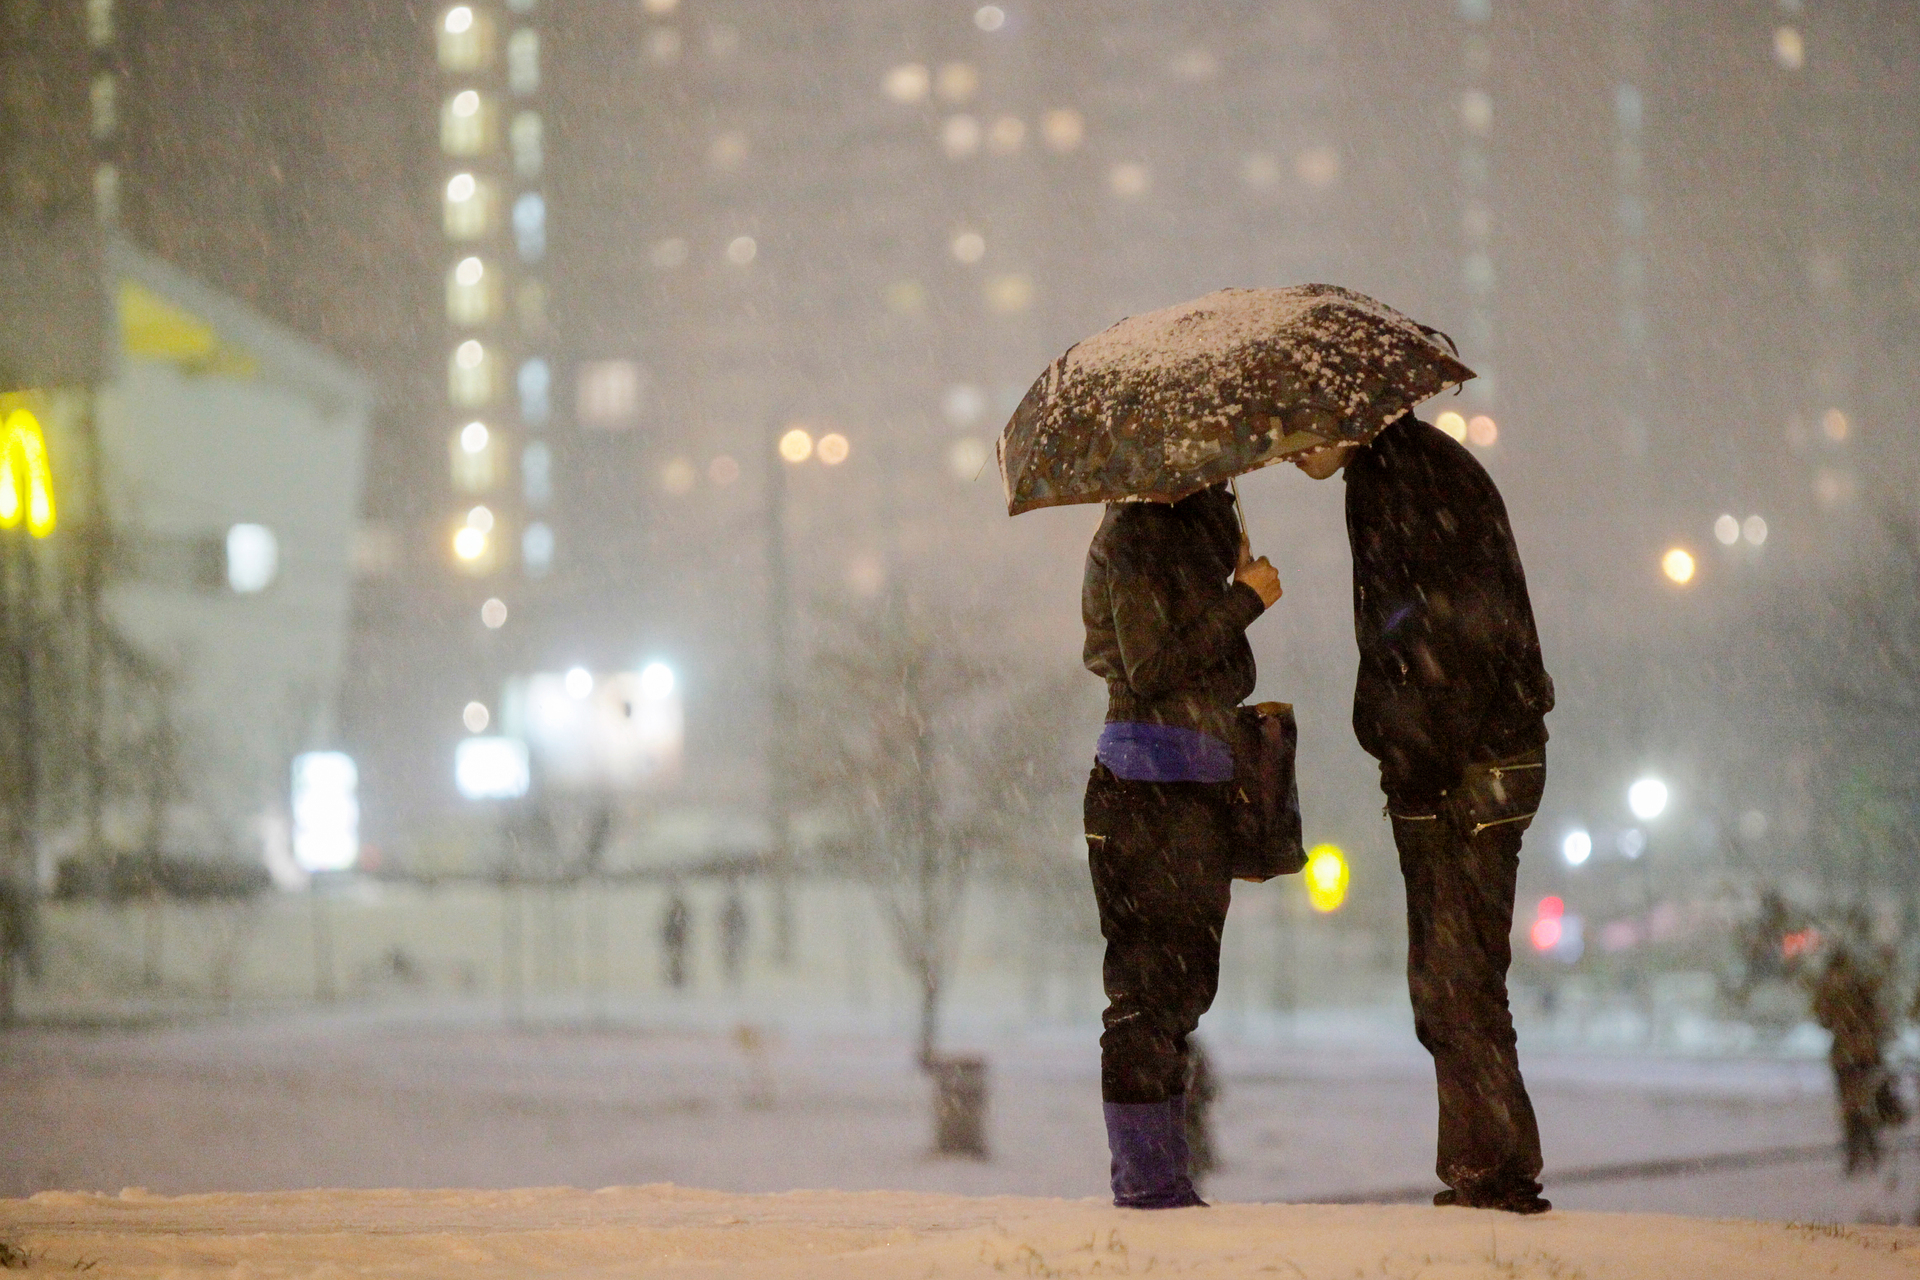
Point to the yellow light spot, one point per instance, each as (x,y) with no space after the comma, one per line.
(796,445)
(1677,565)
(1453,424)
(1834,423)
(469,543)
(26,482)
(1326,877)
(834,448)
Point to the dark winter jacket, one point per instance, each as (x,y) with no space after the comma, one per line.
(1450,666)
(1165,621)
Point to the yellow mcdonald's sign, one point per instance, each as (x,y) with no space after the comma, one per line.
(26,482)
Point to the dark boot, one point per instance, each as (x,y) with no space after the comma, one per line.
(1149,1145)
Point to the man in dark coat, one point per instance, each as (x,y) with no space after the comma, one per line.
(1169,591)
(1451,700)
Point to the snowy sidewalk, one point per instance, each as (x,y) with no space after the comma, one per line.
(664,1230)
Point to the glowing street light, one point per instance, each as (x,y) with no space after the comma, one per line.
(1678,565)
(796,445)
(1647,798)
(656,681)
(1576,848)
(1326,878)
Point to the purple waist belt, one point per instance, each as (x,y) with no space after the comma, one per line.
(1141,752)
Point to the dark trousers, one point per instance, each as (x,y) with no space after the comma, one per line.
(1159,854)
(1460,887)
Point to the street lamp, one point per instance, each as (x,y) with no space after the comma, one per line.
(1647,798)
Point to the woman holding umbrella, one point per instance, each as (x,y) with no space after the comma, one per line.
(1154,416)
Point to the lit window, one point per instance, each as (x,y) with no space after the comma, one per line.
(470,375)
(524,137)
(728,151)
(667,254)
(104,93)
(960,137)
(523,61)
(474,454)
(1063,129)
(536,549)
(1318,167)
(1129,181)
(99,23)
(967,457)
(536,474)
(1009,294)
(535,382)
(964,404)
(466,210)
(906,83)
(465,40)
(1789,49)
(106,193)
(1476,112)
(253,558)
(610,393)
(958,81)
(472,297)
(530,226)
(678,476)
(663,45)
(465,124)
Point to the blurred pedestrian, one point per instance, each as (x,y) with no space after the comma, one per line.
(676,923)
(1451,699)
(733,934)
(1849,1000)
(1169,591)
(1203,1090)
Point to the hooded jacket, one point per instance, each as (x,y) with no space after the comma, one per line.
(1450,665)
(1165,621)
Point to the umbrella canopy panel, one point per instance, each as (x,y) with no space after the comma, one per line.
(1164,404)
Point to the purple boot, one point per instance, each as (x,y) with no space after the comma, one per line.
(1149,1145)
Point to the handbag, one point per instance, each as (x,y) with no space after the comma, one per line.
(1266,794)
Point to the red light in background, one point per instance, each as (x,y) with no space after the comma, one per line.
(1545,933)
(1551,908)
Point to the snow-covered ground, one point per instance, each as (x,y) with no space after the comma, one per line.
(666,1230)
(1341,1107)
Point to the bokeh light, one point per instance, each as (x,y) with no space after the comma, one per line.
(1326,877)
(1678,565)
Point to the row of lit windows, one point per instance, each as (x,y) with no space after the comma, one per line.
(478,537)
(466,43)
(468,212)
(469,126)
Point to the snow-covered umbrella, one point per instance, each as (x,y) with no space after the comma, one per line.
(1164,404)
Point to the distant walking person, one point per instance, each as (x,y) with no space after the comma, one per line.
(676,923)
(1849,1000)
(1170,589)
(1451,699)
(733,935)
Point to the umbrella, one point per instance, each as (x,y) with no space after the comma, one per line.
(1164,404)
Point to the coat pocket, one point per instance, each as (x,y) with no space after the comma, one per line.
(1504,793)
